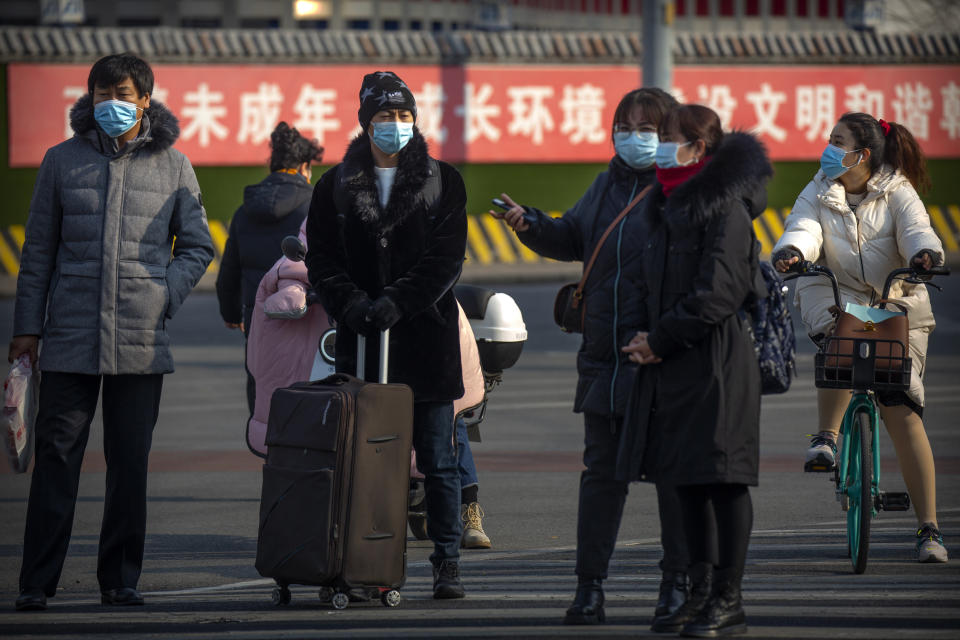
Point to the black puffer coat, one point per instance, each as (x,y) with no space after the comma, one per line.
(272,209)
(612,317)
(412,251)
(695,417)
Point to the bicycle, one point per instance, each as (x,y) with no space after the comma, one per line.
(865,365)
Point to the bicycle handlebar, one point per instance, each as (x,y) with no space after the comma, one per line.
(913,274)
(805,268)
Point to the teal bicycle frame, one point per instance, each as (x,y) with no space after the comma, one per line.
(851,477)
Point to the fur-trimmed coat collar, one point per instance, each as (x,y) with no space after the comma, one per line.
(360,181)
(159,128)
(738,170)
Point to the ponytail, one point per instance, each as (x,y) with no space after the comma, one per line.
(889,143)
(903,152)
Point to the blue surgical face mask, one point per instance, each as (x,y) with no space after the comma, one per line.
(636,148)
(666,157)
(390,137)
(831,161)
(115,117)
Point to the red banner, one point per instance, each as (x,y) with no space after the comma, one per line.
(488,113)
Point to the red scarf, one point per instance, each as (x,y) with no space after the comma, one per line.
(672,178)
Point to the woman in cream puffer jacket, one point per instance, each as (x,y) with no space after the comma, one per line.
(862,218)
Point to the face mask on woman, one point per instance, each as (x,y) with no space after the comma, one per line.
(831,161)
(637,148)
(115,117)
(390,137)
(667,155)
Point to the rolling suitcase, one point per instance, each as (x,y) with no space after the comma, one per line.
(333,508)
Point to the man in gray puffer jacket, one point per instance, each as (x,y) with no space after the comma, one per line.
(100,276)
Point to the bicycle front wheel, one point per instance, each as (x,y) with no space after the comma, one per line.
(858,486)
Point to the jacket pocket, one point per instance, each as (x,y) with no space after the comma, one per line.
(75,296)
(142,295)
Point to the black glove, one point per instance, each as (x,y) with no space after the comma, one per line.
(384,313)
(357,316)
(785,254)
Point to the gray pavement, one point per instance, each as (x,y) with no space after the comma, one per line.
(200,581)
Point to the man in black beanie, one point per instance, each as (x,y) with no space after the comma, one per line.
(386,233)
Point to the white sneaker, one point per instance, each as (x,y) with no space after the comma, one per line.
(930,544)
(821,456)
(473,534)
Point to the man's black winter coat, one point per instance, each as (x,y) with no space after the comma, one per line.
(412,251)
(605,374)
(272,209)
(695,417)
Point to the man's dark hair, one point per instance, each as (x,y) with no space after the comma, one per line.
(289,149)
(110,70)
(654,102)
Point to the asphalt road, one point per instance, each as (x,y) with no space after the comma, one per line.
(200,581)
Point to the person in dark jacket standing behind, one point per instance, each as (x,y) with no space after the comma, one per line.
(386,238)
(100,276)
(272,209)
(605,373)
(695,416)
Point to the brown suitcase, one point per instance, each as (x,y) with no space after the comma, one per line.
(333,509)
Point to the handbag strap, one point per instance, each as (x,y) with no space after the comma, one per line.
(596,250)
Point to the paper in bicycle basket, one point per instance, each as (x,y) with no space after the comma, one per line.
(870,314)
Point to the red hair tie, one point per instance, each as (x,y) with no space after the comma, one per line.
(885,126)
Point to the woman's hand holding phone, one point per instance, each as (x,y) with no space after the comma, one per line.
(512,214)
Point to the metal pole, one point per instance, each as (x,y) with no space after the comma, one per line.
(658,17)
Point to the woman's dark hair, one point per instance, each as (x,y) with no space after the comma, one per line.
(896,147)
(654,102)
(289,149)
(110,70)
(694,122)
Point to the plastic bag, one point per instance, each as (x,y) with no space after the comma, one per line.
(19,412)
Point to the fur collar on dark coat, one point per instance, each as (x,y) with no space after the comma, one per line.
(360,181)
(164,128)
(738,170)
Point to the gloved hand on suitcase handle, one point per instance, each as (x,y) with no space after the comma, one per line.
(357,316)
(384,313)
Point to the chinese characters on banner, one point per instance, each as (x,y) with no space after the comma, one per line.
(485,113)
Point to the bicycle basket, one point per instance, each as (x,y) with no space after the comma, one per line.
(862,363)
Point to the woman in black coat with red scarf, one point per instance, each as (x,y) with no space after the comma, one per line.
(695,415)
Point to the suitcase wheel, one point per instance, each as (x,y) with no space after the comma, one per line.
(390,598)
(340,600)
(280,596)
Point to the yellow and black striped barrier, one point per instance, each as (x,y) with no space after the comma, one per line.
(490,241)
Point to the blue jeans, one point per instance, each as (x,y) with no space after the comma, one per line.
(468,470)
(437,460)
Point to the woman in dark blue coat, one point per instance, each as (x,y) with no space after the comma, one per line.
(694,419)
(605,373)
(272,209)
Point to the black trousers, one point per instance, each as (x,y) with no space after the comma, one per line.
(67,404)
(601,505)
(718,519)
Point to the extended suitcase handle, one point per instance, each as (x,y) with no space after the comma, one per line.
(384,354)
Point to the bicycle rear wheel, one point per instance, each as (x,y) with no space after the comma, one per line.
(858,486)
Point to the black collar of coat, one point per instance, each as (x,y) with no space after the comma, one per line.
(359,180)
(738,170)
(161,132)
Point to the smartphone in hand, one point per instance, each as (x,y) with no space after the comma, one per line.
(500,203)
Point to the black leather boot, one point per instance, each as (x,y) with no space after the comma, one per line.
(701,584)
(587,607)
(723,615)
(674,589)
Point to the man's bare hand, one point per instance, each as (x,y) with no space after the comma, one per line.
(23,344)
